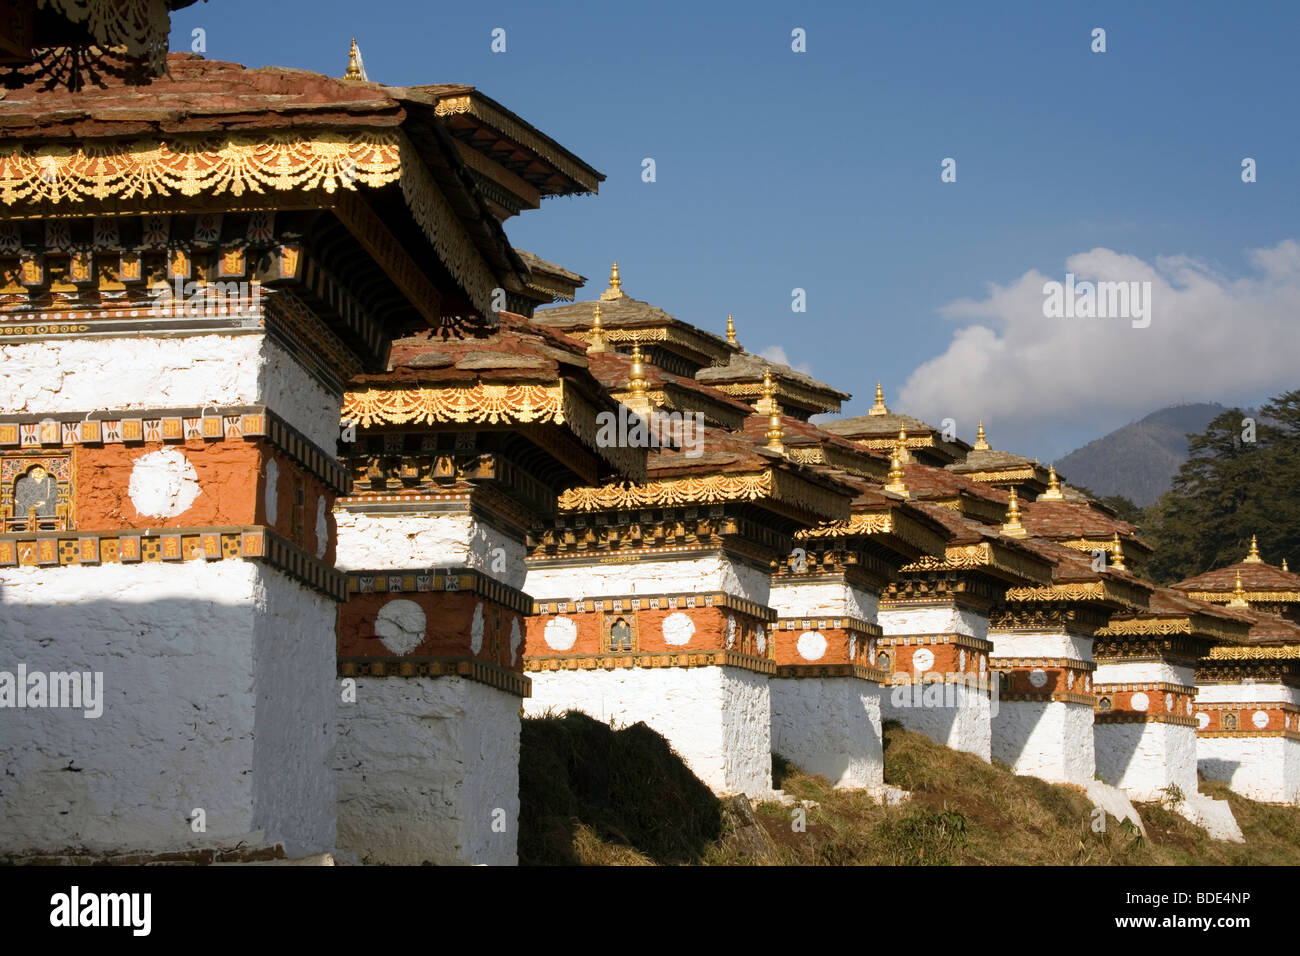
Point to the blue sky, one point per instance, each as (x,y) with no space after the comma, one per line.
(820,170)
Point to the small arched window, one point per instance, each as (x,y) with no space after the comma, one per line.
(1229,721)
(1104,704)
(620,636)
(883,661)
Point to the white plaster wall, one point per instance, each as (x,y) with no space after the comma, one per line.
(1144,672)
(830,726)
(424,767)
(1261,768)
(965,726)
(1051,740)
(933,620)
(215,676)
(294,666)
(250,369)
(718,719)
(823,598)
(377,541)
(711,572)
(1144,758)
(1261,692)
(1041,644)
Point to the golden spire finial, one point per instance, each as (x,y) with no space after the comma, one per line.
(597,335)
(1284,567)
(775,432)
(879,408)
(895,482)
(1238,594)
(767,400)
(903,454)
(638,401)
(356,69)
(1117,553)
(1013,527)
(731,330)
(615,290)
(1253,557)
(1053,492)
(980,443)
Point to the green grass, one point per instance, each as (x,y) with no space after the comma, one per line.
(596,796)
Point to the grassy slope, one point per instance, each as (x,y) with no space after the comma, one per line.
(595,796)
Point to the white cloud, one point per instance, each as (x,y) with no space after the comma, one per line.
(775,353)
(1211,338)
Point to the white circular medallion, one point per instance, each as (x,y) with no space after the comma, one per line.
(760,639)
(731,631)
(1259,719)
(400,625)
(1202,720)
(1189,707)
(163,484)
(1140,701)
(811,646)
(1169,703)
(961,660)
(923,660)
(1038,677)
(560,633)
(678,628)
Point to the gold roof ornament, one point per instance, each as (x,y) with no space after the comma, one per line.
(879,408)
(1053,492)
(903,454)
(1253,557)
(639,401)
(1238,594)
(1013,527)
(1284,567)
(597,342)
(980,443)
(895,482)
(1117,553)
(731,331)
(775,432)
(767,400)
(356,69)
(615,290)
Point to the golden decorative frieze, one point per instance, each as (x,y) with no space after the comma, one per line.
(479,404)
(237,164)
(1169,626)
(669,492)
(1110,592)
(1249,653)
(858,524)
(980,557)
(1252,597)
(807,456)
(987,477)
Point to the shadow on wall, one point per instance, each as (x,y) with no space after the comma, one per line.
(1117,746)
(1217,769)
(628,786)
(193,705)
